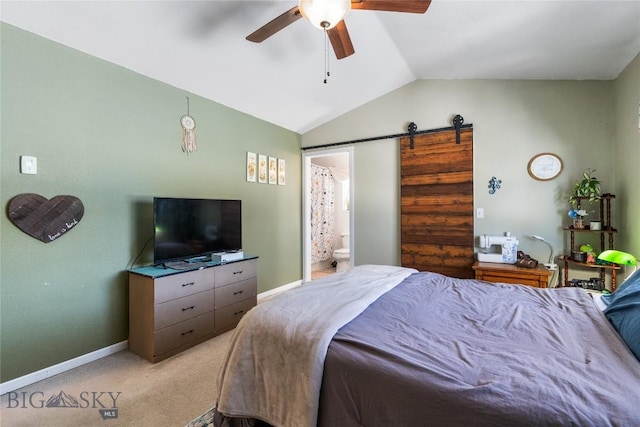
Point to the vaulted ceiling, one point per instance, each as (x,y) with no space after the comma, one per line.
(200,46)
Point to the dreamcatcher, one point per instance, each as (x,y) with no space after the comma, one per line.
(188,132)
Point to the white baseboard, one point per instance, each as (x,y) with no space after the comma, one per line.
(67,365)
(272,292)
(45,373)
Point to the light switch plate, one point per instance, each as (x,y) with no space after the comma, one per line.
(29,165)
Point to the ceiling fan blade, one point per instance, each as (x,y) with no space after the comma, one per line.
(341,41)
(275,25)
(410,6)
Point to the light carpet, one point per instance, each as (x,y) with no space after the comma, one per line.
(204,420)
(169,393)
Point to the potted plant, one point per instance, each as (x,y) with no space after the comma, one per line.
(588,187)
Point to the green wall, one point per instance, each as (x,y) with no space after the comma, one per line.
(627,152)
(111,137)
(513,120)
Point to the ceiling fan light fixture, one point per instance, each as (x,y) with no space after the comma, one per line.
(324,14)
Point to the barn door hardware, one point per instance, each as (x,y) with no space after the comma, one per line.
(412,128)
(412,131)
(458,120)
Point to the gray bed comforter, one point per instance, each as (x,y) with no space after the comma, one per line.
(440,351)
(449,352)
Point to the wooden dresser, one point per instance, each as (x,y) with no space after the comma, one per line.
(510,273)
(172,310)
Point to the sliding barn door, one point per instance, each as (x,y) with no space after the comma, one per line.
(437,203)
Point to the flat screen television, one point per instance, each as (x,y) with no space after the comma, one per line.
(186,229)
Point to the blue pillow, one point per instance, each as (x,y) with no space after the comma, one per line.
(609,298)
(623,311)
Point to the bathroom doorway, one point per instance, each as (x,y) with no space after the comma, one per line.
(320,245)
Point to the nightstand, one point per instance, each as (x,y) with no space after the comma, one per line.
(510,273)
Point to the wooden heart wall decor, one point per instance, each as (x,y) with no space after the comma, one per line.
(43,219)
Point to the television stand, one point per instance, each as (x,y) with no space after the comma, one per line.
(170,311)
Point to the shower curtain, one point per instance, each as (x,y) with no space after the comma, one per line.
(322,216)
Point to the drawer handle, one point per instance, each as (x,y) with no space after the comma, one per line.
(238,312)
(189,308)
(238,272)
(188,284)
(238,293)
(187,333)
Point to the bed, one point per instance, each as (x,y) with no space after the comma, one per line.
(384,345)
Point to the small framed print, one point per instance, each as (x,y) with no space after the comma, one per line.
(252,167)
(273,170)
(545,166)
(281,171)
(262,168)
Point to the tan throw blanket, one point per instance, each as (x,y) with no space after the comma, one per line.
(273,369)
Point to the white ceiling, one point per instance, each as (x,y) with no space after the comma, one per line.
(200,46)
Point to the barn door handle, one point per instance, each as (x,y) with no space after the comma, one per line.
(458,120)
(412,128)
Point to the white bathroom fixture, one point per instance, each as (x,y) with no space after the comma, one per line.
(343,254)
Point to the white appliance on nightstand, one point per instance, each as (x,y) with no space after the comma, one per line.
(501,249)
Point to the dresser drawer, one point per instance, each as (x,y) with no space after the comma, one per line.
(236,292)
(181,309)
(183,333)
(510,273)
(235,272)
(229,316)
(180,285)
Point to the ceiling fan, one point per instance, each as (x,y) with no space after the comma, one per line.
(329,15)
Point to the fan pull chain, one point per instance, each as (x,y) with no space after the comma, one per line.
(326,55)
